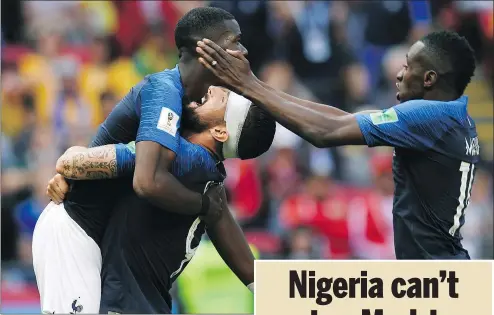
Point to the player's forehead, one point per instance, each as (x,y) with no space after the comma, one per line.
(228,33)
(232,27)
(220,93)
(216,99)
(415,51)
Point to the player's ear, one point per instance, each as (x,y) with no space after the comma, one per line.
(430,78)
(219,133)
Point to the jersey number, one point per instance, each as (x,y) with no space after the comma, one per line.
(466,169)
(189,252)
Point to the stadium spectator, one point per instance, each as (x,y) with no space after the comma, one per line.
(303,243)
(323,205)
(370,220)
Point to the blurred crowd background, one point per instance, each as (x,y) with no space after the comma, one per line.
(66,64)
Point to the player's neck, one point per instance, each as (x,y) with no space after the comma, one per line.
(193,84)
(440,95)
(206,141)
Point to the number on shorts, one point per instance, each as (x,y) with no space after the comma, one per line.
(466,170)
(189,251)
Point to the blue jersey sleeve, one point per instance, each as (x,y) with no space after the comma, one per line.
(414,125)
(126,158)
(160,112)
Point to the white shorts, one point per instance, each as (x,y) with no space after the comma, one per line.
(67,264)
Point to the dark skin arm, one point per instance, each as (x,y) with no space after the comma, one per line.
(230,242)
(153,181)
(322,108)
(319,124)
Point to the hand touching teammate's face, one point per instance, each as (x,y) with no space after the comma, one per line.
(226,36)
(230,66)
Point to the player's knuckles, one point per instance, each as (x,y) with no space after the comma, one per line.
(203,54)
(63,188)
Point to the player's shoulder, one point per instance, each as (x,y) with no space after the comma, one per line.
(168,79)
(446,112)
(455,107)
(195,156)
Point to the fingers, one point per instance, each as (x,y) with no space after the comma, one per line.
(62,185)
(217,192)
(210,55)
(208,66)
(204,55)
(237,54)
(220,52)
(50,192)
(57,188)
(59,192)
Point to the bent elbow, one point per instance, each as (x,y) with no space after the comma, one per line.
(143,187)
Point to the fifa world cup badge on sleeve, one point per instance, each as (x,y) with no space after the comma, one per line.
(131,146)
(168,121)
(386,116)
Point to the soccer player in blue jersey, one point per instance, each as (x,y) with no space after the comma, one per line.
(435,140)
(145,249)
(150,114)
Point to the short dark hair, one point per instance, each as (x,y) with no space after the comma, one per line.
(196,24)
(257,133)
(453,54)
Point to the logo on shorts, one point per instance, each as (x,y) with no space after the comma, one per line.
(76,308)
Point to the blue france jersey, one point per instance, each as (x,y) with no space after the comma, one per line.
(151,111)
(436,149)
(145,248)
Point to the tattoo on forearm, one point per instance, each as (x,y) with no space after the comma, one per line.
(95,163)
(96,175)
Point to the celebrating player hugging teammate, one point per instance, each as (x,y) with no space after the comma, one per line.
(435,140)
(143,247)
(154,230)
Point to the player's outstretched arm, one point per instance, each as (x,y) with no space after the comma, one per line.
(230,242)
(321,125)
(415,124)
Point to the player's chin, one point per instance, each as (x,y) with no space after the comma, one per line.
(192,105)
(402,97)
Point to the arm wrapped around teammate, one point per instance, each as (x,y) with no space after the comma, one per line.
(109,161)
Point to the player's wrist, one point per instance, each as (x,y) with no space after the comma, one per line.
(251,89)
